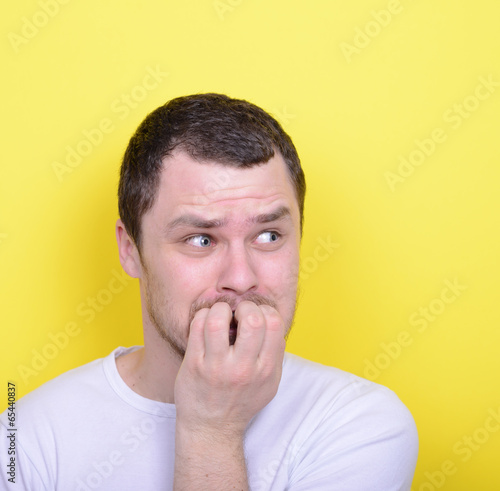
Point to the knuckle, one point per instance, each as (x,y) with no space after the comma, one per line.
(213,378)
(254,320)
(267,370)
(214,324)
(241,376)
(274,321)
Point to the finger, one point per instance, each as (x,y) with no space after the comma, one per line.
(250,332)
(196,340)
(273,345)
(216,331)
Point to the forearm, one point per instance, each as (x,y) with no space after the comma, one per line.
(209,461)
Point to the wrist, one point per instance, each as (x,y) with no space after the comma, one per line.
(229,435)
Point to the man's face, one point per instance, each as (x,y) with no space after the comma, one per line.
(218,233)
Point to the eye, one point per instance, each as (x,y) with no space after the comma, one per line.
(268,237)
(203,241)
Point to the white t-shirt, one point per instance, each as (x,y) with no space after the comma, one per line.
(325,430)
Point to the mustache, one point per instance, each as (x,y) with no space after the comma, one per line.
(256,298)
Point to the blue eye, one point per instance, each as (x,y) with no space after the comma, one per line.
(203,241)
(268,237)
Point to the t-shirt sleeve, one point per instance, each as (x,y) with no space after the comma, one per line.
(369,443)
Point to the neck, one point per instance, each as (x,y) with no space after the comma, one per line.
(151,371)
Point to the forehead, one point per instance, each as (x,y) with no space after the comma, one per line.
(218,191)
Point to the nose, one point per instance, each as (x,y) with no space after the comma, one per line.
(237,272)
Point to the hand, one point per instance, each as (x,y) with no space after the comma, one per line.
(220,387)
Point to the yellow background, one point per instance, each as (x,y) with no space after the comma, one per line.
(354,103)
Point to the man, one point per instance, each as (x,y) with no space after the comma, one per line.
(211,201)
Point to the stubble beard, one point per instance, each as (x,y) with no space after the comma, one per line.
(170,328)
(160,313)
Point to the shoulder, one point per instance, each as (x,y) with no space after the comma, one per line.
(54,416)
(341,393)
(57,398)
(71,383)
(331,382)
(355,422)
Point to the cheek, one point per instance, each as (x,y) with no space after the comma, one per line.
(190,279)
(280,275)
(290,281)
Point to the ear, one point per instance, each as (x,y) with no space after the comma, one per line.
(127,250)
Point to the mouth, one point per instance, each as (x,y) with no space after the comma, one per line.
(233,328)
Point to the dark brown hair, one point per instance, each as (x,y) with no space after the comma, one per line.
(208,127)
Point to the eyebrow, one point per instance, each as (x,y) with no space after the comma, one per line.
(189,220)
(280,214)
